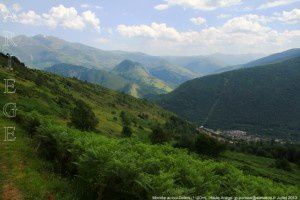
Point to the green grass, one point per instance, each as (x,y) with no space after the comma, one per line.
(261,166)
(31,176)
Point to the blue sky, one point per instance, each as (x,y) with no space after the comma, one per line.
(161,27)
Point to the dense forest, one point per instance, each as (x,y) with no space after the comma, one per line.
(264,100)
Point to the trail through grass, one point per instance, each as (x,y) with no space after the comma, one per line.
(25,176)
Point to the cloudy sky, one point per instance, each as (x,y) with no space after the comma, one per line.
(161,27)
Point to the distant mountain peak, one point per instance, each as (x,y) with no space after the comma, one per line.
(132,69)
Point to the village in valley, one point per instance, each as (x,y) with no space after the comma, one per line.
(234,136)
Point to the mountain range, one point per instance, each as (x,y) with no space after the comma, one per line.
(128,77)
(204,65)
(42,51)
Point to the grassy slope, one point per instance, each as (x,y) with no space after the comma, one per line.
(43,93)
(105,103)
(261,166)
(136,73)
(23,175)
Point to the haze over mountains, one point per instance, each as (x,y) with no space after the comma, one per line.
(45,51)
(204,65)
(161,74)
(42,51)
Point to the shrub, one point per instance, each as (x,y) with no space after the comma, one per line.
(29,121)
(186,141)
(208,145)
(159,135)
(126,132)
(125,118)
(83,117)
(282,164)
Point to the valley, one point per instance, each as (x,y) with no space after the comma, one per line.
(112,160)
(148,100)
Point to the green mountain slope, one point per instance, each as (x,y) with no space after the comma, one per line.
(131,79)
(100,77)
(144,84)
(131,70)
(263,100)
(103,164)
(42,51)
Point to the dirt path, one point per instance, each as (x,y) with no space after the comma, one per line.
(9,191)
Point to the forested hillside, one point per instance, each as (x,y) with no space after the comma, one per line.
(263,100)
(76,140)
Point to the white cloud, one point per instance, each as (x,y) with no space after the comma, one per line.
(223,16)
(61,16)
(198,20)
(239,35)
(30,18)
(65,17)
(198,4)
(155,31)
(247,23)
(85,5)
(276,3)
(90,18)
(290,17)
